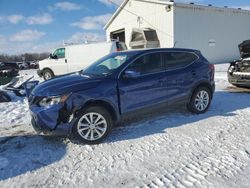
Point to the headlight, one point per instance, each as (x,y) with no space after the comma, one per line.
(49,101)
(231,69)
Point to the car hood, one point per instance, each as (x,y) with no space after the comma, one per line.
(244,48)
(66,84)
(44,60)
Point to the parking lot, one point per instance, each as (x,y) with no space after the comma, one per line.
(168,148)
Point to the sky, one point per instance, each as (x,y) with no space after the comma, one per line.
(42,25)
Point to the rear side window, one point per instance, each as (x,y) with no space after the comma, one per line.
(147,64)
(178,59)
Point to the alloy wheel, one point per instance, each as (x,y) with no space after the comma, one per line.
(202,100)
(92,126)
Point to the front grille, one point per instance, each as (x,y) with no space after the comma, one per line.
(242,74)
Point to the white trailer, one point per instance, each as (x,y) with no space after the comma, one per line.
(215,31)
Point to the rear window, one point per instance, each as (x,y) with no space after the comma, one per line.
(178,59)
(136,36)
(151,35)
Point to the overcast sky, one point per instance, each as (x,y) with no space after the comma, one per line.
(41,25)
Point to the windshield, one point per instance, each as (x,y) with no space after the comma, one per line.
(107,65)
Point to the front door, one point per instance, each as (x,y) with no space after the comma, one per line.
(148,88)
(59,64)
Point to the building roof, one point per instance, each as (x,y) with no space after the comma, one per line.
(126,1)
(116,13)
(168,2)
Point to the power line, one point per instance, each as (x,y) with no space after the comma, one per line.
(116,4)
(138,16)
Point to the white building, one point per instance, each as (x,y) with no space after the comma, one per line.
(213,30)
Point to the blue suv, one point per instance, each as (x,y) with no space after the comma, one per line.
(87,104)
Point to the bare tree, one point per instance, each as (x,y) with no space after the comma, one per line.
(20,57)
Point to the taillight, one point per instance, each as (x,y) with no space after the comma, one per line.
(212,68)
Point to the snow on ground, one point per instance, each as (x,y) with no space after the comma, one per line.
(15,113)
(169,148)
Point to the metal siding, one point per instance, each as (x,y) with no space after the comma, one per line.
(196,26)
(189,26)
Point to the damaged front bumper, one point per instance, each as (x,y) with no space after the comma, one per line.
(238,78)
(47,120)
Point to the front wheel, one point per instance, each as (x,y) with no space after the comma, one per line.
(47,74)
(92,125)
(200,100)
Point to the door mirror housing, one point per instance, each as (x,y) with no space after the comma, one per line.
(53,56)
(131,74)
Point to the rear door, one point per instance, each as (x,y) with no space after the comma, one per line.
(147,89)
(181,73)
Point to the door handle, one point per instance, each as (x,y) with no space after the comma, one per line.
(193,73)
(161,82)
(66,61)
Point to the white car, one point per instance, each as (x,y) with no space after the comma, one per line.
(23,65)
(74,58)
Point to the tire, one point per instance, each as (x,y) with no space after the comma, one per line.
(94,133)
(200,100)
(47,74)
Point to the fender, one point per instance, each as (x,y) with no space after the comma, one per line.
(200,83)
(79,102)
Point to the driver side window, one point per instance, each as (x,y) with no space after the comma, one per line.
(60,53)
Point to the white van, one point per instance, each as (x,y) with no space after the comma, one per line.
(74,58)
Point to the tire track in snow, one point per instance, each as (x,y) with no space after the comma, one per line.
(145,148)
(204,165)
(193,171)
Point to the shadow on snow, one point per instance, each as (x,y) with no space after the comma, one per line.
(21,154)
(224,104)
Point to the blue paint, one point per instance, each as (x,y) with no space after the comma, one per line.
(122,95)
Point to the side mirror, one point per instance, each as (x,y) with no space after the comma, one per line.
(131,74)
(53,56)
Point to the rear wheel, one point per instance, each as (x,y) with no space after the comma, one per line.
(200,100)
(47,74)
(92,125)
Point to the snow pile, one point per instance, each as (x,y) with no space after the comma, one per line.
(17,111)
(14,113)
